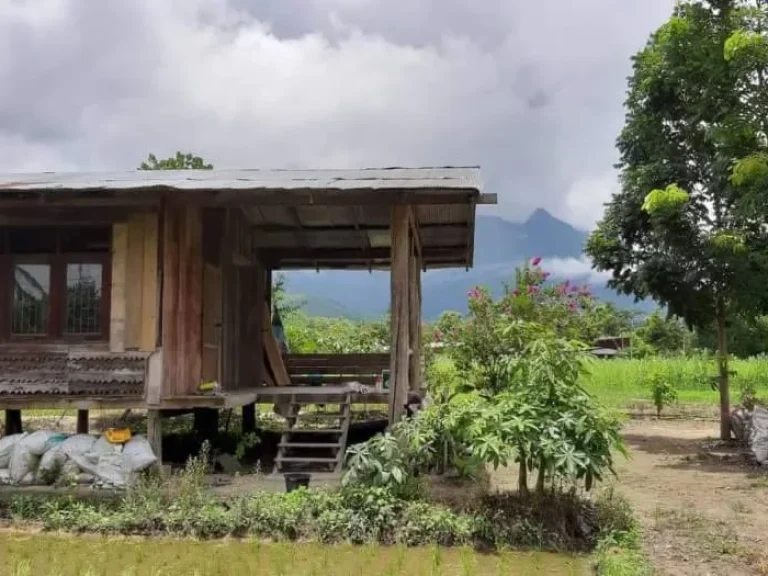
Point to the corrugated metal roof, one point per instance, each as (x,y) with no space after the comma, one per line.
(371,178)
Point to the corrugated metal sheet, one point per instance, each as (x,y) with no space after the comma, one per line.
(74,373)
(371,178)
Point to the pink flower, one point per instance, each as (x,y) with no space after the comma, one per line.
(574,290)
(536,260)
(438,336)
(546,275)
(533,289)
(515,292)
(572,306)
(562,289)
(474,294)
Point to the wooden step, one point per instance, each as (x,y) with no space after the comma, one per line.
(309,415)
(334,445)
(307,460)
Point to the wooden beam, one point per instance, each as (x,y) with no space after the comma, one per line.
(415,232)
(117,291)
(317,237)
(414,323)
(155,434)
(400,247)
(471,236)
(259,309)
(324,254)
(82,422)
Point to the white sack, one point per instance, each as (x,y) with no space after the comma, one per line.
(111,470)
(758,437)
(77,444)
(138,454)
(51,465)
(6,448)
(38,442)
(23,460)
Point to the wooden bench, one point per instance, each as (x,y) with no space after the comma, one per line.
(334,369)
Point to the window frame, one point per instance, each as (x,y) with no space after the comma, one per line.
(57,298)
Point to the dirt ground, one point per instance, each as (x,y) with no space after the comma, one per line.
(703,505)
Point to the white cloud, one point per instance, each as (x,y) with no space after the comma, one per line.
(584,200)
(563,268)
(532,91)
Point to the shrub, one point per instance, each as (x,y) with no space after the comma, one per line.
(663,391)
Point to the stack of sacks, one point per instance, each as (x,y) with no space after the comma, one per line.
(44,457)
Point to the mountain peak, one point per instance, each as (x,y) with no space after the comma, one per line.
(540,216)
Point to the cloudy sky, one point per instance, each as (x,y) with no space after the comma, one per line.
(530,90)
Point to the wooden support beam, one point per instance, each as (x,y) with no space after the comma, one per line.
(249,418)
(12,422)
(414,323)
(82,421)
(155,434)
(259,309)
(400,247)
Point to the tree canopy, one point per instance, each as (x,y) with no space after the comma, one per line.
(182,161)
(682,230)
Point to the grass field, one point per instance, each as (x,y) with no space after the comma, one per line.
(49,555)
(623,382)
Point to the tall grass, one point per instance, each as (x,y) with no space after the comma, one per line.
(623,382)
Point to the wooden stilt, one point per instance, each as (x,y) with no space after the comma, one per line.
(400,251)
(155,434)
(414,323)
(249,418)
(82,421)
(12,422)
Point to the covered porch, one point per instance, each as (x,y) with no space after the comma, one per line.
(191,259)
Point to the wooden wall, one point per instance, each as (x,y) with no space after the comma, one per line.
(134,294)
(182,300)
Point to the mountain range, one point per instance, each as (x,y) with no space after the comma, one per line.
(500,246)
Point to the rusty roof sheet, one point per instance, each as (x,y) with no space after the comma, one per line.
(459,178)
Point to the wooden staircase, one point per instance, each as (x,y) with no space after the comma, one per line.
(314,441)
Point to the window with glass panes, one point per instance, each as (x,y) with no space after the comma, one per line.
(54,283)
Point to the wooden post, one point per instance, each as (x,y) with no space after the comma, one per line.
(249,418)
(155,434)
(12,422)
(414,323)
(400,252)
(256,315)
(82,421)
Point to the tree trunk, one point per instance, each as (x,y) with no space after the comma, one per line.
(522,479)
(722,364)
(542,476)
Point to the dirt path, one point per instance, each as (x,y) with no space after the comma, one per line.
(703,507)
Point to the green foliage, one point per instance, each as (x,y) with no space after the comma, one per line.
(182,161)
(692,115)
(662,390)
(315,335)
(665,335)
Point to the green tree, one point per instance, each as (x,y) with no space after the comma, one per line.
(666,335)
(182,161)
(679,231)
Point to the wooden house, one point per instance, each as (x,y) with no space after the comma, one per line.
(130,290)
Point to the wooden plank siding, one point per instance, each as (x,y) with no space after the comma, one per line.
(134,288)
(182,338)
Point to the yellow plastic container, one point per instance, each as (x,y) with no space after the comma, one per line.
(118,435)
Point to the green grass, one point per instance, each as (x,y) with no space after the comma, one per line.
(622,382)
(44,555)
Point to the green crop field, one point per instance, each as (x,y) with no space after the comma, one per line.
(49,555)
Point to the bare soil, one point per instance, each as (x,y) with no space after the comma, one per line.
(703,504)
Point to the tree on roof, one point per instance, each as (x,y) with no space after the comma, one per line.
(182,161)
